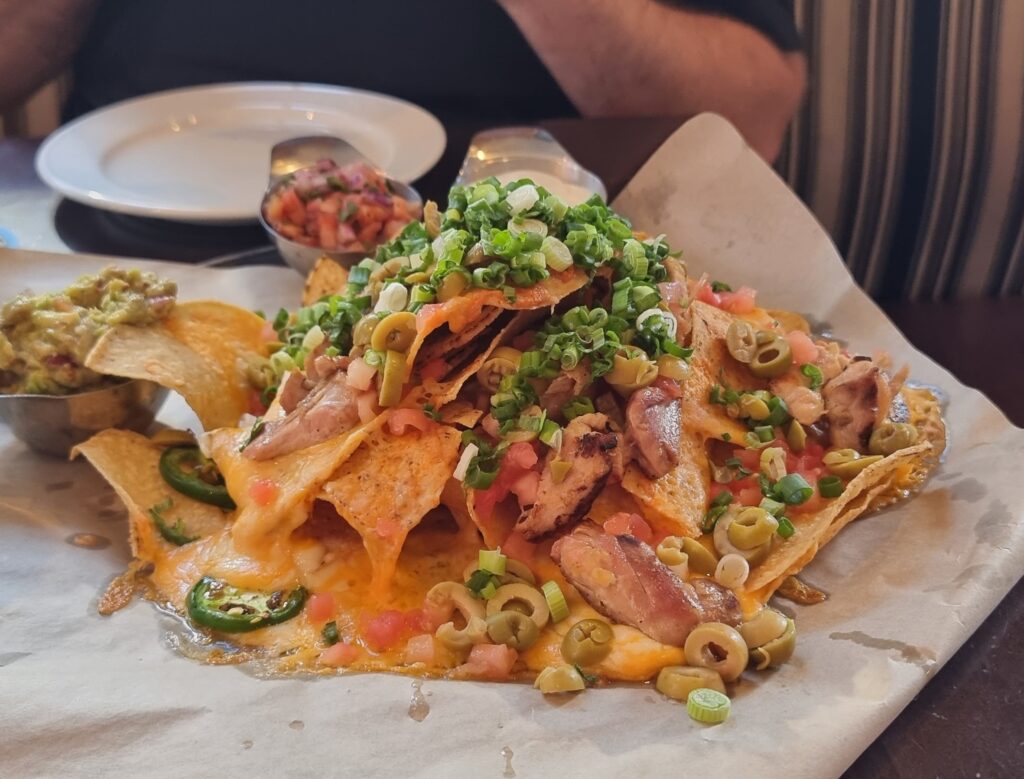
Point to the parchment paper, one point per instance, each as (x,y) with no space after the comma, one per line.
(83,695)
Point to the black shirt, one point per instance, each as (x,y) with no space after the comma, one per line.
(457,58)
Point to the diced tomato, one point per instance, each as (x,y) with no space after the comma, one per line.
(742,301)
(402,419)
(388,628)
(717,489)
(490,661)
(704,294)
(385,630)
(420,649)
(749,496)
(525,488)
(360,374)
(518,548)
(293,206)
(434,369)
(340,655)
(367,406)
(267,332)
(803,348)
(320,607)
(520,455)
(263,491)
(625,523)
(749,458)
(327,224)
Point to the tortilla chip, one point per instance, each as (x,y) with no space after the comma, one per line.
(466,310)
(496,527)
(293,479)
(200,351)
(813,531)
(131,465)
(326,278)
(386,487)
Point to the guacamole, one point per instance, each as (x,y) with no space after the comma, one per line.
(44,338)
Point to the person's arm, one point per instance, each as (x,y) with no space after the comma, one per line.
(38,38)
(644,58)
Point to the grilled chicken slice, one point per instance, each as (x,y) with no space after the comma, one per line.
(591,446)
(804,404)
(854,400)
(623,579)
(564,388)
(653,427)
(292,390)
(329,409)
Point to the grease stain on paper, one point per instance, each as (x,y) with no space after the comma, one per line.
(969,490)
(247,744)
(510,772)
(297,724)
(418,706)
(922,657)
(88,541)
(995,526)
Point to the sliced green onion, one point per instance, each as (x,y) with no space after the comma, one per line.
(794,489)
(489,590)
(492,561)
(813,374)
(556,601)
(764,433)
(551,434)
(779,412)
(785,529)
(830,487)
(359,275)
(724,498)
(556,253)
(708,706)
(720,286)
(577,407)
(773,507)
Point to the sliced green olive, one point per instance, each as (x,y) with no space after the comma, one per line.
(392,380)
(452,285)
(777,651)
(396,332)
(559,678)
(169,436)
(699,558)
(890,437)
(764,337)
(513,629)
(847,463)
(504,361)
(678,681)
(589,641)
(796,436)
(741,341)
(719,647)
(670,551)
(444,600)
(511,594)
(515,572)
(752,407)
(631,370)
(773,359)
(673,367)
(724,545)
(767,625)
(751,528)
(362,333)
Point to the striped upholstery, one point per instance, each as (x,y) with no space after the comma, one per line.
(910,146)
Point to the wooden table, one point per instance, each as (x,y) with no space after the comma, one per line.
(969,720)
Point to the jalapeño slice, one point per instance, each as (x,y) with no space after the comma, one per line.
(218,605)
(190,473)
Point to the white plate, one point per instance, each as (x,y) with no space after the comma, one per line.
(202,154)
